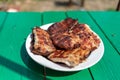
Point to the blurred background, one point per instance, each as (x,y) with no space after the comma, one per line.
(57,5)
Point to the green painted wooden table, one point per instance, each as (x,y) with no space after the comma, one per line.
(15,64)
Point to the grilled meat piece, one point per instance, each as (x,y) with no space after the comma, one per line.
(78,35)
(62,26)
(41,42)
(65,41)
(70,58)
(87,38)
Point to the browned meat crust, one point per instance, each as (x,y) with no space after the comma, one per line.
(62,26)
(41,42)
(70,57)
(73,35)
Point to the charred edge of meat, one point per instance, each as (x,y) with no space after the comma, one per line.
(44,37)
(32,45)
(62,26)
(86,56)
(76,45)
(71,26)
(32,41)
(57,28)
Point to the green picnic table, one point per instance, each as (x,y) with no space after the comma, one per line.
(16,64)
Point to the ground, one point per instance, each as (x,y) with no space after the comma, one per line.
(57,5)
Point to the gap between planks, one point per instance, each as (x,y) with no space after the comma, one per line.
(103,32)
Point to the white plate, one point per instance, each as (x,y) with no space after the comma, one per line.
(94,57)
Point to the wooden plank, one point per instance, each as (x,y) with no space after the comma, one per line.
(109,23)
(49,17)
(3,16)
(110,64)
(14,60)
(108,67)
